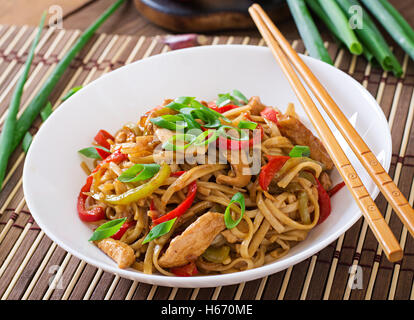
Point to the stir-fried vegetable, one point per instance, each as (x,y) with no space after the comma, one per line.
(88,215)
(107,229)
(228,220)
(188,270)
(143,190)
(299,151)
(95,152)
(127,224)
(324,202)
(102,138)
(269,170)
(217,254)
(139,172)
(182,207)
(159,230)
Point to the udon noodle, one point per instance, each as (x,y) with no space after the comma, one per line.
(284,199)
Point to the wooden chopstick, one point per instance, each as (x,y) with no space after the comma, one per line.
(378,174)
(374,218)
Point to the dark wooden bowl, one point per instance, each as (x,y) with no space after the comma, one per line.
(206,15)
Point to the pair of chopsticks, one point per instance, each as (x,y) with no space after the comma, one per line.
(286,56)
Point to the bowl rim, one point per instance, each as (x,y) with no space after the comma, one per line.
(231,278)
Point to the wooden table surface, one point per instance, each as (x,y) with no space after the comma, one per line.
(78,14)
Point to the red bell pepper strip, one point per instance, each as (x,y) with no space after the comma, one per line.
(336,188)
(324,202)
(184,206)
(270,114)
(269,170)
(187,270)
(104,154)
(91,215)
(123,229)
(117,156)
(237,145)
(102,137)
(96,213)
(212,105)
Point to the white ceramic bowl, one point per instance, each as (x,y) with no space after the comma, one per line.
(52,176)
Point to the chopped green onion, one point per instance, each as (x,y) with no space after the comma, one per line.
(171,122)
(27,141)
(299,151)
(240,96)
(308,30)
(107,229)
(201,139)
(11,123)
(176,106)
(235,97)
(139,172)
(247,125)
(71,92)
(170,144)
(33,109)
(46,112)
(159,230)
(184,100)
(228,220)
(91,152)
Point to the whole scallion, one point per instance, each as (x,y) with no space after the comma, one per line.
(394,23)
(340,21)
(7,134)
(40,100)
(308,30)
(372,39)
(317,9)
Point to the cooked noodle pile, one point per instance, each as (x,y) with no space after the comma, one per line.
(282,199)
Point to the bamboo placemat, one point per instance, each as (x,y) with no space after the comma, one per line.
(34,267)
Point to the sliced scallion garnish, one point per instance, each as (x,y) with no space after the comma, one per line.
(228,220)
(107,229)
(139,172)
(299,151)
(159,230)
(247,125)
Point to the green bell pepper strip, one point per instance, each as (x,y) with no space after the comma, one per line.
(141,191)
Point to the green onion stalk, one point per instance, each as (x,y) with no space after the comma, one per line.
(10,123)
(317,9)
(40,100)
(372,39)
(394,23)
(308,30)
(340,21)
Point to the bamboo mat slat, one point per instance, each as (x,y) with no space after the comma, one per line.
(34,267)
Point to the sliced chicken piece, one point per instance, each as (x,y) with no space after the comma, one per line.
(198,236)
(257,105)
(119,251)
(296,131)
(163,134)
